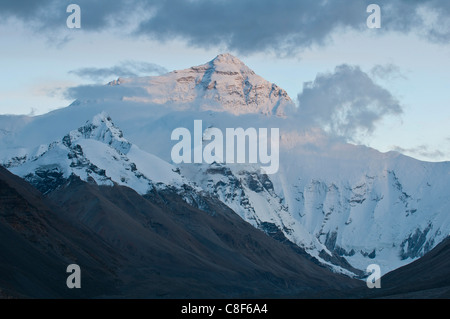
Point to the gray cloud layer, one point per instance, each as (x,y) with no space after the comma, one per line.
(346,102)
(246,26)
(123,69)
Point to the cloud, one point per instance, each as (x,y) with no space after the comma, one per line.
(50,15)
(346,103)
(287,26)
(102,92)
(387,72)
(53,89)
(123,69)
(246,26)
(249,26)
(422,151)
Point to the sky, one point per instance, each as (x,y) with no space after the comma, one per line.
(387,87)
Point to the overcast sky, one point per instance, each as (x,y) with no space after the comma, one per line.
(387,88)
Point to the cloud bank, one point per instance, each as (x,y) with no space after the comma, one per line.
(123,69)
(346,103)
(245,26)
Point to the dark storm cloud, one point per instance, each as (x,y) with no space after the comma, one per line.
(345,103)
(249,26)
(246,26)
(123,69)
(24,9)
(51,15)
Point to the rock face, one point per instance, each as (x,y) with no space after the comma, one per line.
(223,84)
(381,215)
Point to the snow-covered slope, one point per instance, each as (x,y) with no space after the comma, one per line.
(386,209)
(96,152)
(348,206)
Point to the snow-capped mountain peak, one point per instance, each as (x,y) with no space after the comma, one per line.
(223,84)
(97,152)
(229,63)
(101,128)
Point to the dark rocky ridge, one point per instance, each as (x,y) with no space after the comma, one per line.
(129,246)
(158,246)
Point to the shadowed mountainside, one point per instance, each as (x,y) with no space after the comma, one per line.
(158,246)
(37,245)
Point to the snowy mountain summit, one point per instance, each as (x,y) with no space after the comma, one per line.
(223,84)
(96,152)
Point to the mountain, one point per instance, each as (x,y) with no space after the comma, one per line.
(98,152)
(380,208)
(223,84)
(37,244)
(133,246)
(347,206)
